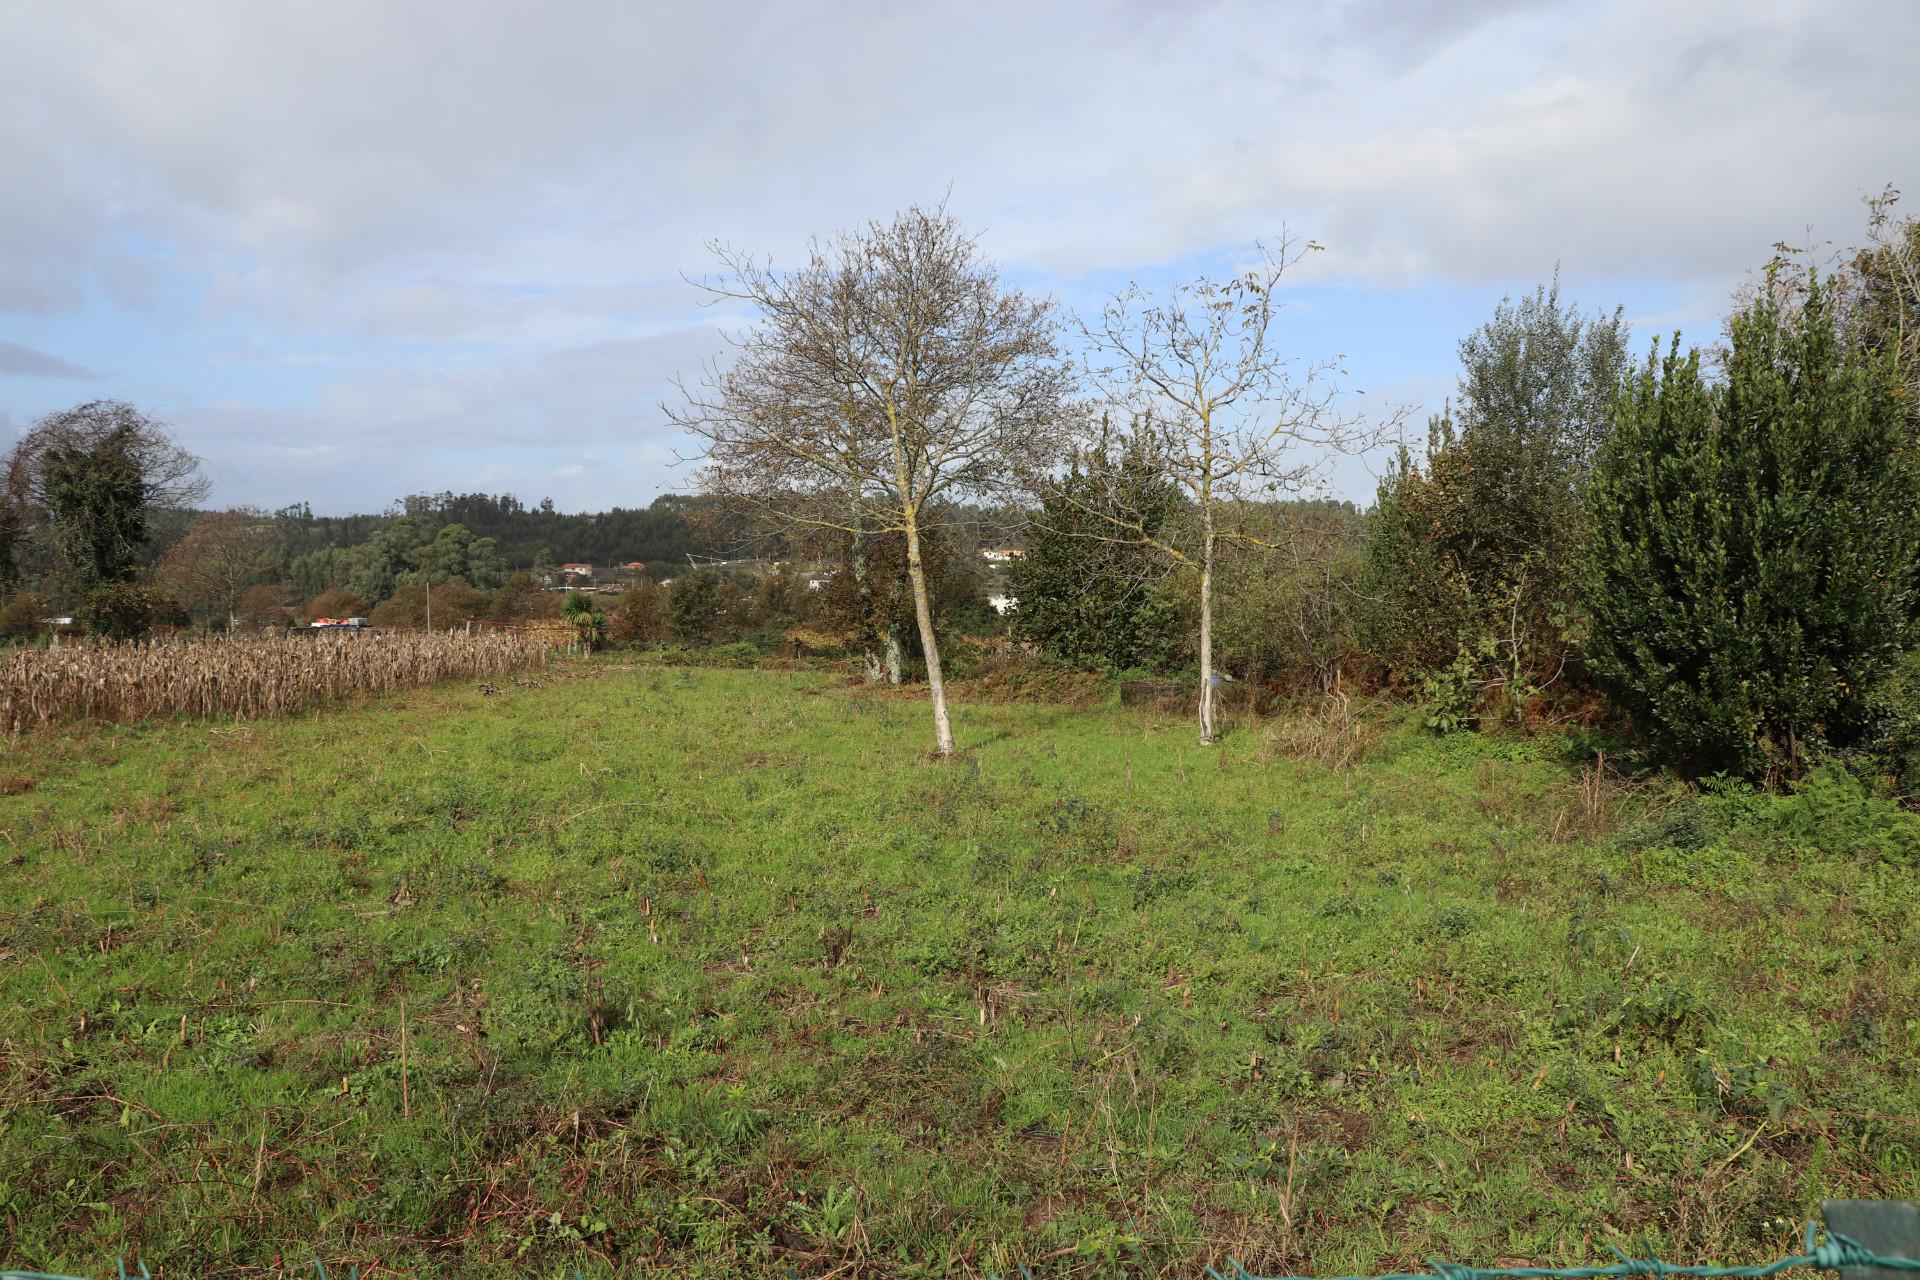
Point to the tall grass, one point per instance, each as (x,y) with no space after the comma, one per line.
(245,678)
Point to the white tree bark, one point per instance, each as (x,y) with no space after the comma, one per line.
(1225,415)
(923,613)
(1206,630)
(896,656)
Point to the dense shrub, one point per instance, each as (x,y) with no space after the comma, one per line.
(20,617)
(1473,550)
(736,654)
(880,616)
(1289,601)
(638,616)
(267,605)
(124,611)
(1085,586)
(336,602)
(524,599)
(453,604)
(695,607)
(1895,742)
(1753,569)
(1830,812)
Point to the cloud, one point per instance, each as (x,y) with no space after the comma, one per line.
(17,361)
(581,424)
(488,147)
(444,235)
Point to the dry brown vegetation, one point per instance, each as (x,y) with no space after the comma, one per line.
(246,678)
(1331,732)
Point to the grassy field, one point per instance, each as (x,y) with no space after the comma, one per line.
(716,973)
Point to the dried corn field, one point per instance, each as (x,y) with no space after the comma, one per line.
(244,678)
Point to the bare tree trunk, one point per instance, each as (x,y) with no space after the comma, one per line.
(923,612)
(863,605)
(896,655)
(1206,630)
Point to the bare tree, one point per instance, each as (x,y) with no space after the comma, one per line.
(219,556)
(890,376)
(1886,294)
(1873,289)
(1215,403)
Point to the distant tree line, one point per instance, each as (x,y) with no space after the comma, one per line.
(524,537)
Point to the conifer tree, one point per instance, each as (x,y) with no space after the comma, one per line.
(1082,595)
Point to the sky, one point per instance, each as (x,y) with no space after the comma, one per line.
(356,249)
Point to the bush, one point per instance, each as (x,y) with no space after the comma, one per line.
(1035,677)
(1086,596)
(453,604)
(737,654)
(694,607)
(1287,603)
(638,617)
(522,600)
(1837,814)
(1452,698)
(269,605)
(1714,832)
(1753,569)
(589,623)
(1474,550)
(336,602)
(123,611)
(20,617)
(1895,742)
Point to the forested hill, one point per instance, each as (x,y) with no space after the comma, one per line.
(673,527)
(668,530)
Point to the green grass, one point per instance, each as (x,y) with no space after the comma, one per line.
(716,973)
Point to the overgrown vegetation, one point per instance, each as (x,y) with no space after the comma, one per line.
(1475,549)
(1085,594)
(716,973)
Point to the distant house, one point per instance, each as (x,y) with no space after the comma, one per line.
(1001,555)
(1000,602)
(819,581)
(634,566)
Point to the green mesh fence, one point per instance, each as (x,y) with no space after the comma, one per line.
(1835,1252)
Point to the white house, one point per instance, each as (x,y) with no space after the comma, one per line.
(1000,602)
(1001,555)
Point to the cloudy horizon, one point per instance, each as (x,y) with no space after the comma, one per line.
(356,250)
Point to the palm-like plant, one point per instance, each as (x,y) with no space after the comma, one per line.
(589,623)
